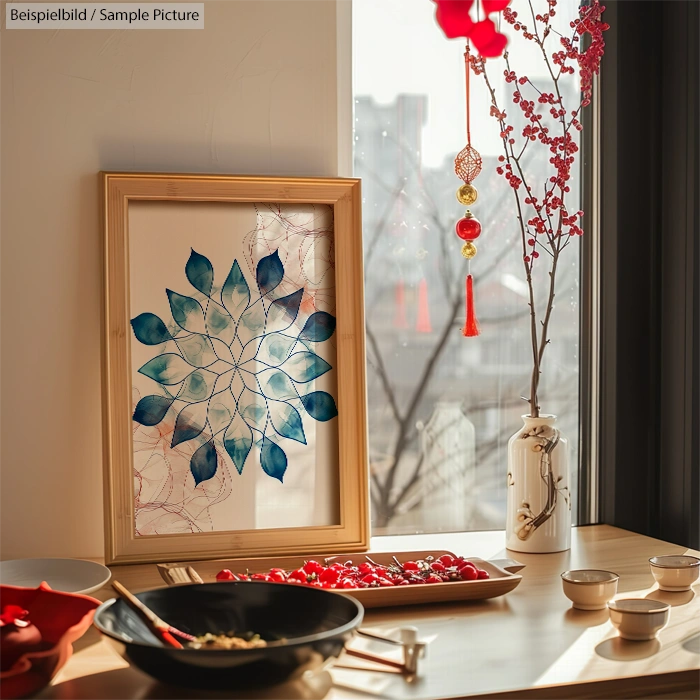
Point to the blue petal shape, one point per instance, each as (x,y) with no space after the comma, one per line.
(168,368)
(304,366)
(186,311)
(149,329)
(151,410)
(252,322)
(286,421)
(320,405)
(221,410)
(235,294)
(200,272)
(276,385)
(238,440)
(203,463)
(190,423)
(197,349)
(275,348)
(269,272)
(318,327)
(198,386)
(219,323)
(273,459)
(283,312)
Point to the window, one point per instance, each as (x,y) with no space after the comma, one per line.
(441,406)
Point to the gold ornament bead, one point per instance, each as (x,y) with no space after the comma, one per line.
(468,250)
(467,194)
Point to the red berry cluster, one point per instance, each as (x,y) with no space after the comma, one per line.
(369,574)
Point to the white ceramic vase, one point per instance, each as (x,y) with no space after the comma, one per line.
(538,512)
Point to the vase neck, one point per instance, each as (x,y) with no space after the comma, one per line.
(544,419)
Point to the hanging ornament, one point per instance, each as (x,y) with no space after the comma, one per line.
(468,228)
(467,167)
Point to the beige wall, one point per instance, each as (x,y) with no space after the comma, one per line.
(254,92)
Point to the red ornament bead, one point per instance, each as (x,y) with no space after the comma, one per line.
(468,228)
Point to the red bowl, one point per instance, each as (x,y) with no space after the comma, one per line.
(62,618)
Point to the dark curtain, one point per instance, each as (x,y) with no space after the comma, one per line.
(650,296)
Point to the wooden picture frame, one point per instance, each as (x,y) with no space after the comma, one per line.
(132,203)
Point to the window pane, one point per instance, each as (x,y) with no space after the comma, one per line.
(441,406)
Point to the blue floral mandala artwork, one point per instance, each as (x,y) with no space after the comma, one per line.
(235,368)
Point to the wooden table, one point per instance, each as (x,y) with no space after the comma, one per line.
(527,644)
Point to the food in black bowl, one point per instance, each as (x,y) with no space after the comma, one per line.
(303,627)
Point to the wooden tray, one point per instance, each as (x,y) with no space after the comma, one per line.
(502,581)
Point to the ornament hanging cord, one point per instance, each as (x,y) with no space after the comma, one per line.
(469,138)
(467,167)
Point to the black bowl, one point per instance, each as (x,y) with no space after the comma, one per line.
(314,623)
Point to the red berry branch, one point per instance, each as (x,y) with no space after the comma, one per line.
(546,222)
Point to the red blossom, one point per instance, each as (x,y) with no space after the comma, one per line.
(453,17)
(487,40)
(494,5)
(455,20)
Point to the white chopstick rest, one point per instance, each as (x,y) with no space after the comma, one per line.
(412,648)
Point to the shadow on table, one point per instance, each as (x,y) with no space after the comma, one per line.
(618,649)
(692,644)
(587,618)
(672,598)
(130,683)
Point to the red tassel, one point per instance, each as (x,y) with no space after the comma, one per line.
(400,310)
(423,321)
(471,326)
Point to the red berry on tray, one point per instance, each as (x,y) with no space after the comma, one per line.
(469,573)
(437,566)
(312,567)
(433,578)
(370,578)
(329,576)
(411,566)
(483,574)
(447,560)
(277,576)
(225,575)
(298,576)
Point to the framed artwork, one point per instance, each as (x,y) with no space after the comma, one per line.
(234,387)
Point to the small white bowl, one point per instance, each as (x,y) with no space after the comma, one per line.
(675,573)
(638,619)
(589,589)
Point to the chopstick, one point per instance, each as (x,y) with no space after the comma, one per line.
(159,627)
(379,638)
(367,656)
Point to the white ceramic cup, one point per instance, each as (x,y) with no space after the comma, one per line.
(638,619)
(675,573)
(589,589)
